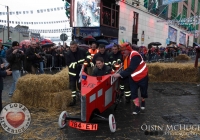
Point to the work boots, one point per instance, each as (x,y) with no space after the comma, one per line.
(73,103)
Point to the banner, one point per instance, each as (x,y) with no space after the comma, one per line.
(182,38)
(172,34)
(166,2)
(28,23)
(86,13)
(87,31)
(33,11)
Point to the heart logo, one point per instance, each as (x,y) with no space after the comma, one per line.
(15,119)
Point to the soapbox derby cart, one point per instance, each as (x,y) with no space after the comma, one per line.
(97,95)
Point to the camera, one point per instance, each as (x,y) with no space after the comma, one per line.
(19,51)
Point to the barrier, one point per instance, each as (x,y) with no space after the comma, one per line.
(48,62)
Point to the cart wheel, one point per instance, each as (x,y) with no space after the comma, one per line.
(61,121)
(112,123)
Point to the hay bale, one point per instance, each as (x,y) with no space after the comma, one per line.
(46,100)
(173,72)
(44,83)
(182,57)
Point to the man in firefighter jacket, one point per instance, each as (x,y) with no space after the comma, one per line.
(116,58)
(102,53)
(74,59)
(137,72)
(93,50)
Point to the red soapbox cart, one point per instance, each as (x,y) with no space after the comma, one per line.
(97,95)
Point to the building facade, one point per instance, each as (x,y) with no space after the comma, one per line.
(18,33)
(186,9)
(141,27)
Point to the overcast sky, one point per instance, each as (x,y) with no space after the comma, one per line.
(34,5)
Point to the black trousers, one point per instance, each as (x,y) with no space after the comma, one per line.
(125,86)
(74,84)
(142,84)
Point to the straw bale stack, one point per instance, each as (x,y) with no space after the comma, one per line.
(46,100)
(44,83)
(44,91)
(173,72)
(182,57)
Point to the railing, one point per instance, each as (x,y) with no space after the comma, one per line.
(166,57)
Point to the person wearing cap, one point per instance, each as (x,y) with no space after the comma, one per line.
(15,56)
(74,60)
(137,72)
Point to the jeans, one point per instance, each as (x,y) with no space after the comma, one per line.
(16,75)
(41,67)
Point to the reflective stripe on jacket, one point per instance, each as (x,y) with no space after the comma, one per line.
(141,71)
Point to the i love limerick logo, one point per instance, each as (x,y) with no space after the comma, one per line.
(15,118)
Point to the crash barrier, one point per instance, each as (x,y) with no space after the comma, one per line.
(59,62)
(48,62)
(169,57)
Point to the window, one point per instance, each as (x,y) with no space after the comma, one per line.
(135,22)
(186,2)
(197,27)
(193,5)
(110,15)
(174,10)
(184,13)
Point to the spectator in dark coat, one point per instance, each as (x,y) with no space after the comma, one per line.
(3,74)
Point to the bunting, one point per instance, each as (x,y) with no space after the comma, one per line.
(22,30)
(32,11)
(31,23)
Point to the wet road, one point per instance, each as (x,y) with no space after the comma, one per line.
(168,104)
